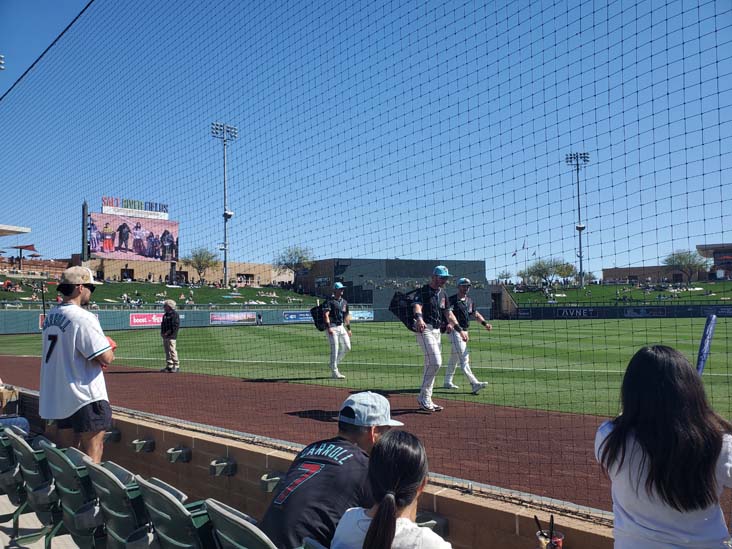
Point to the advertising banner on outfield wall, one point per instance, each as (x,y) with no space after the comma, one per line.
(719,311)
(142,320)
(644,312)
(296,316)
(650,311)
(361,315)
(578,312)
(243,317)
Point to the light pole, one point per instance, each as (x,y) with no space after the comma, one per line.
(576,160)
(222,131)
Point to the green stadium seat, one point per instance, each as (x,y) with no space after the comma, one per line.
(126,519)
(176,525)
(11,481)
(82,516)
(39,486)
(235,530)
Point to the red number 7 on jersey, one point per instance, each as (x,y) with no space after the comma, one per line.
(309,470)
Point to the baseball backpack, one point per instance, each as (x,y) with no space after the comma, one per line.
(401,306)
(318,318)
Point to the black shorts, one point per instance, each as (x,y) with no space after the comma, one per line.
(91,418)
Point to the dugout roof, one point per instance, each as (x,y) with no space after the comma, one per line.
(9,230)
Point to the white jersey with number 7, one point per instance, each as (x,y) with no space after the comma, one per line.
(70,377)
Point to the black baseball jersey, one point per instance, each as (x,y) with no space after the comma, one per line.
(337,310)
(325,479)
(434,304)
(463,309)
(170,324)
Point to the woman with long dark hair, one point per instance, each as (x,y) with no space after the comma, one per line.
(397,476)
(668,456)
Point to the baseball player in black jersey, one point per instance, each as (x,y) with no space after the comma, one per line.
(329,476)
(463,307)
(431,309)
(337,319)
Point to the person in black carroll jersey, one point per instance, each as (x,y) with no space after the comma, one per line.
(329,476)
(463,307)
(431,310)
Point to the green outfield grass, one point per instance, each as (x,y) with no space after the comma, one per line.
(571,366)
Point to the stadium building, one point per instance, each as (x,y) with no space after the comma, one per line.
(721,255)
(374,281)
(652,274)
(721,269)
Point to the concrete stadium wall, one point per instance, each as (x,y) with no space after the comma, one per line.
(474,520)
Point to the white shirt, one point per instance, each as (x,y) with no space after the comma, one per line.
(355,523)
(70,377)
(644,521)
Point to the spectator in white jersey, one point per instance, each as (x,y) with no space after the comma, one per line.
(463,307)
(431,310)
(75,349)
(337,319)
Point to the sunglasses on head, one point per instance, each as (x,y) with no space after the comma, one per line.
(90,287)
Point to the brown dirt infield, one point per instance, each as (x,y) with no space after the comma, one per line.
(544,453)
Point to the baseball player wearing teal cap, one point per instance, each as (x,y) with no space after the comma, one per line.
(431,309)
(337,319)
(463,307)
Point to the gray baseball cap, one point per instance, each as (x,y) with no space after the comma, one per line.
(78,275)
(370,409)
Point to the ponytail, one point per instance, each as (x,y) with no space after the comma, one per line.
(397,469)
(383,527)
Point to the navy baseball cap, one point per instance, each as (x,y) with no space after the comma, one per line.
(370,410)
(440,270)
(338,286)
(464,282)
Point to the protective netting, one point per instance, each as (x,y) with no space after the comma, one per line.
(571,158)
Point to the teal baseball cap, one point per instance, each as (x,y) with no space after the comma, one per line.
(464,282)
(338,286)
(440,270)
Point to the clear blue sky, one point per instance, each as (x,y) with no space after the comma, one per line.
(382,129)
(27,28)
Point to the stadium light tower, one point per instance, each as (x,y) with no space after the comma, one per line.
(576,160)
(226,133)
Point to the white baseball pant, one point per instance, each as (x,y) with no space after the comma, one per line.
(459,355)
(431,343)
(340,344)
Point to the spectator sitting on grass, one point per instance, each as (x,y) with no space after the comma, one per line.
(668,456)
(397,476)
